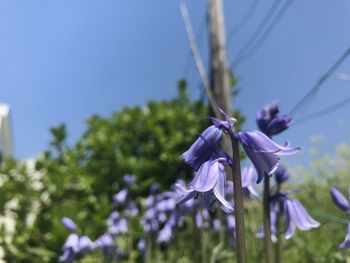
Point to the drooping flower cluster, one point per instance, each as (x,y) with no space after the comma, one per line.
(208,160)
(340,201)
(281,205)
(75,245)
(270,122)
(294,213)
(125,208)
(162,215)
(123,200)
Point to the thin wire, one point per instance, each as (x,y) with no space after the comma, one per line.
(198,59)
(319,83)
(255,47)
(325,111)
(234,31)
(199,35)
(260,28)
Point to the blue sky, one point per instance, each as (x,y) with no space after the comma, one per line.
(61,61)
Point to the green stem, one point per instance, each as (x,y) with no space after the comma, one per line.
(238,200)
(204,246)
(279,239)
(266,218)
(279,245)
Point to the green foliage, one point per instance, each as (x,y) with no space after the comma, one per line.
(78,181)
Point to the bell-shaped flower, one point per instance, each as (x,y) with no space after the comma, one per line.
(346,243)
(86,245)
(202,218)
(278,125)
(68,223)
(269,122)
(165,234)
(207,185)
(120,197)
(266,115)
(128,180)
(70,248)
(294,213)
(297,217)
(131,209)
(249,178)
(281,175)
(340,200)
(106,243)
(203,148)
(263,152)
(141,246)
(231,225)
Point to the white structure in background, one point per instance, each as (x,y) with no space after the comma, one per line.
(5,131)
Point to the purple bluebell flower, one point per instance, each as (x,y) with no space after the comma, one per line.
(203,148)
(207,185)
(166,205)
(249,177)
(131,209)
(346,242)
(278,124)
(297,217)
(269,122)
(119,226)
(129,180)
(166,232)
(227,124)
(281,175)
(141,246)
(216,224)
(68,223)
(106,243)
(158,206)
(121,196)
(86,245)
(266,114)
(154,188)
(231,223)
(231,226)
(202,218)
(294,212)
(263,152)
(70,248)
(340,200)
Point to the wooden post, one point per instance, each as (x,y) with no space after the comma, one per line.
(219,71)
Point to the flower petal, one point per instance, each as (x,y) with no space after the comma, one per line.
(259,142)
(339,199)
(346,242)
(219,190)
(206,176)
(203,148)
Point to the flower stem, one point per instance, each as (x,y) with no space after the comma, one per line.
(267,223)
(279,239)
(278,247)
(238,200)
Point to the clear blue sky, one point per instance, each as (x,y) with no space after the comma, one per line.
(61,61)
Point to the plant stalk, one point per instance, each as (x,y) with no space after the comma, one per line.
(266,219)
(238,201)
(279,247)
